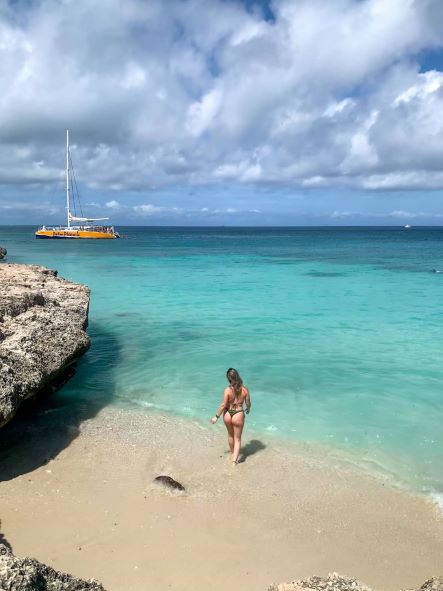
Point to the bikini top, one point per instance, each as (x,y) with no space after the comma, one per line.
(235,403)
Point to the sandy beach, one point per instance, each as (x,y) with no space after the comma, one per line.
(285,512)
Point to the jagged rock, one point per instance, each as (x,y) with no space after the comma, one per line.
(42,332)
(3,252)
(336,582)
(169,482)
(333,582)
(27,574)
(434,584)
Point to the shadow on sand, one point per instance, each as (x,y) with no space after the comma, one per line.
(251,448)
(49,424)
(3,540)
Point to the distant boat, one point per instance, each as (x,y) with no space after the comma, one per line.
(78,227)
(408,226)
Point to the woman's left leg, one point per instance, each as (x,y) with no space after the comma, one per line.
(238,421)
(230,428)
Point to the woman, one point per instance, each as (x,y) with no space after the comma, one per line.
(235,395)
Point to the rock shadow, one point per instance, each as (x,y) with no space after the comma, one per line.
(254,446)
(3,540)
(49,423)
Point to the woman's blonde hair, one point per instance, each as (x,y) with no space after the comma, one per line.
(234,380)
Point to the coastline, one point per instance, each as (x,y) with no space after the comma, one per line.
(287,511)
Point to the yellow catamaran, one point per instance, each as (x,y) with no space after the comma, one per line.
(78,227)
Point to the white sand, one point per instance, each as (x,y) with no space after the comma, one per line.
(286,512)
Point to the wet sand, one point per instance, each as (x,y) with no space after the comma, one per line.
(285,512)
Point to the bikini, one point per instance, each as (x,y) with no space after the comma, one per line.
(233,411)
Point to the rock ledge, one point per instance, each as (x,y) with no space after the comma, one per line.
(42,331)
(27,574)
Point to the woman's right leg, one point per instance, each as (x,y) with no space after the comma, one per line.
(238,420)
(229,427)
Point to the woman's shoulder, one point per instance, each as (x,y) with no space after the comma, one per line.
(245,389)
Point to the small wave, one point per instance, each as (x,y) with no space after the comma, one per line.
(271,428)
(146,404)
(437,499)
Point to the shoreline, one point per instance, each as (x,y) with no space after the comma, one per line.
(285,512)
(352,457)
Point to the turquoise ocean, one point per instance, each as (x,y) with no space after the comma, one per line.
(336,331)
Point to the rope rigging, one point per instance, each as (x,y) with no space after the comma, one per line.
(74,188)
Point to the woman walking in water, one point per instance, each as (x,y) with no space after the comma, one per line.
(235,395)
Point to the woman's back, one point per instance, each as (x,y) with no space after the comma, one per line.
(235,399)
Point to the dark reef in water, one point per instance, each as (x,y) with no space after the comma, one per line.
(324,274)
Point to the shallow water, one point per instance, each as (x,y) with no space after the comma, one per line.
(337,331)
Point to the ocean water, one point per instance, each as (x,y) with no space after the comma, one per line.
(336,331)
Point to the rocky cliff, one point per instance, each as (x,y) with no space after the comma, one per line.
(42,331)
(27,574)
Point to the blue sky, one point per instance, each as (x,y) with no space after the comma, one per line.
(224,112)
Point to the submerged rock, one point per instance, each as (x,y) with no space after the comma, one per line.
(42,332)
(169,482)
(27,574)
(3,252)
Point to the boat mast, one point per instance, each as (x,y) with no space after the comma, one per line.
(67,178)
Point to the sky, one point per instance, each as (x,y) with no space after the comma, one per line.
(223,112)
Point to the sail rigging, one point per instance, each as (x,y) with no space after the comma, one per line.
(73,195)
(79,225)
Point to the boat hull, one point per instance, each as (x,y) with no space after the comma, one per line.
(75,234)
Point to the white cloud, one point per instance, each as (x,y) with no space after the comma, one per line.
(427,83)
(315,181)
(148,209)
(202,113)
(336,108)
(396,214)
(328,94)
(113,204)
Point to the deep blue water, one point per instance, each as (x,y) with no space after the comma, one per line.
(337,331)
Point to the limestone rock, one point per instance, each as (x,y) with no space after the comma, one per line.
(3,252)
(42,332)
(333,582)
(336,582)
(434,584)
(27,574)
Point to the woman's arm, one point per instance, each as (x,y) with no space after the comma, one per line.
(247,401)
(221,408)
